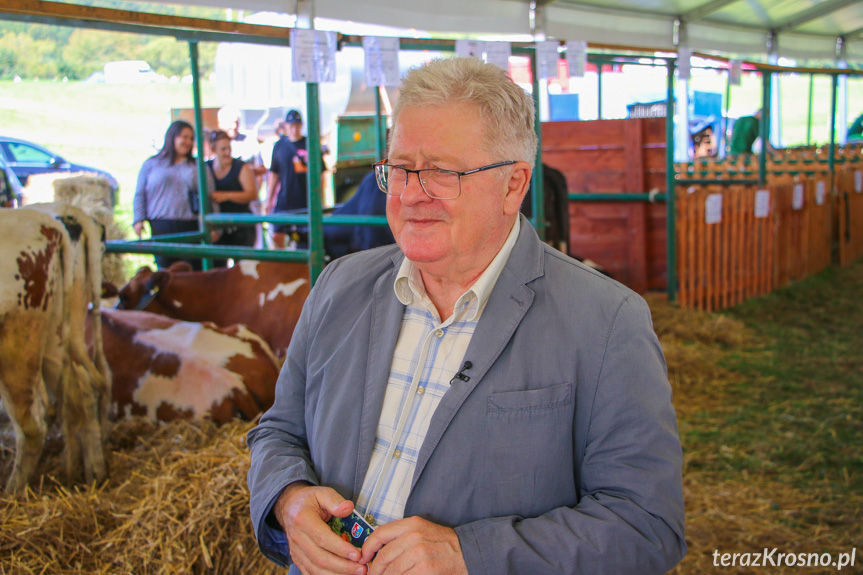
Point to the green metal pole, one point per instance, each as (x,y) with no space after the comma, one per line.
(809,116)
(380,127)
(832,160)
(316,228)
(670,214)
(764,126)
(538,198)
(723,137)
(599,90)
(203,192)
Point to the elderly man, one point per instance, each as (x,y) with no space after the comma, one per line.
(486,402)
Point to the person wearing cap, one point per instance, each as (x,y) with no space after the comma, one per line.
(286,180)
(487,403)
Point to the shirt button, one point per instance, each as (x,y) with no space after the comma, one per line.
(421,390)
(439,333)
(397,453)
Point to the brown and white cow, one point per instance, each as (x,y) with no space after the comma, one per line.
(267,297)
(167,369)
(45,290)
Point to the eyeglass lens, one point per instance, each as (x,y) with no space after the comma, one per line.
(440,184)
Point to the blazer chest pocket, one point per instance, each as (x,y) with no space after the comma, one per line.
(531,401)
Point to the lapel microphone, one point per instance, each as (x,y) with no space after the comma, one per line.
(467,365)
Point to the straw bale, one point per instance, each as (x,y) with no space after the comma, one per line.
(91,193)
(176,502)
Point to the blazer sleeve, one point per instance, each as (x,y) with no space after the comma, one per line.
(629,518)
(279,444)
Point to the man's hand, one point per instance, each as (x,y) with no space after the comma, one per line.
(139,228)
(303,511)
(414,545)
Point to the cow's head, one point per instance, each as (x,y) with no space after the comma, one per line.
(141,291)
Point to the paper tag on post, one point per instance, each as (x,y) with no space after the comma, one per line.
(684,66)
(797,198)
(820,193)
(735,72)
(498,53)
(762,203)
(546,59)
(576,58)
(858,181)
(469,48)
(713,209)
(313,55)
(381,60)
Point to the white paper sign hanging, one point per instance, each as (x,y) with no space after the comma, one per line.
(797,198)
(381,60)
(858,181)
(546,59)
(469,48)
(735,72)
(313,55)
(684,67)
(713,209)
(762,203)
(576,58)
(498,53)
(820,193)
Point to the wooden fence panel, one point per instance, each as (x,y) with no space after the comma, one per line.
(849,196)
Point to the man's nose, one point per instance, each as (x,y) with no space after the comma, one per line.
(413,191)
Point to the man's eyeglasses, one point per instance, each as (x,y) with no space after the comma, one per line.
(436,183)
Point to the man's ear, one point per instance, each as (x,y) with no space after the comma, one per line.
(517,183)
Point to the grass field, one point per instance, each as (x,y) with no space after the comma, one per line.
(109,126)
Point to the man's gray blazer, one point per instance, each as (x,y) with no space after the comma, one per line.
(559,455)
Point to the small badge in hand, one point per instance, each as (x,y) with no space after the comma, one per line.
(353,529)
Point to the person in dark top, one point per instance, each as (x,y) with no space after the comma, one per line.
(368,201)
(286,182)
(235,188)
(855,132)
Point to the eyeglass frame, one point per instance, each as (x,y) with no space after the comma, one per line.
(408,171)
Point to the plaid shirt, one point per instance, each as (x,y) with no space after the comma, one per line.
(428,354)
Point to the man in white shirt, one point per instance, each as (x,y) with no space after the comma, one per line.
(487,403)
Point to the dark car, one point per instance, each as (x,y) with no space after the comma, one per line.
(26,158)
(10,187)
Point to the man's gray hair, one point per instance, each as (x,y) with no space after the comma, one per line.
(505,109)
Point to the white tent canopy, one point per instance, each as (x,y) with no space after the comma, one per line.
(804,30)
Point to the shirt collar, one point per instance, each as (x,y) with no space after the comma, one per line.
(409,287)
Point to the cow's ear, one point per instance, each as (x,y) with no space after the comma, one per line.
(143,270)
(109,290)
(180,266)
(158,280)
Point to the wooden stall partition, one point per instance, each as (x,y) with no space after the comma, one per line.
(725,252)
(819,210)
(849,188)
(792,231)
(612,157)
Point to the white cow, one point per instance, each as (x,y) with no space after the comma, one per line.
(47,272)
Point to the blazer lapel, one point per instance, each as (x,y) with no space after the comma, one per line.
(508,303)
(384,327)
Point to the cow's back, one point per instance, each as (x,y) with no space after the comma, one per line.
(167,369)
(267,297)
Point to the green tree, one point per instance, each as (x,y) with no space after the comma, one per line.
(21,55)
(89,50)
